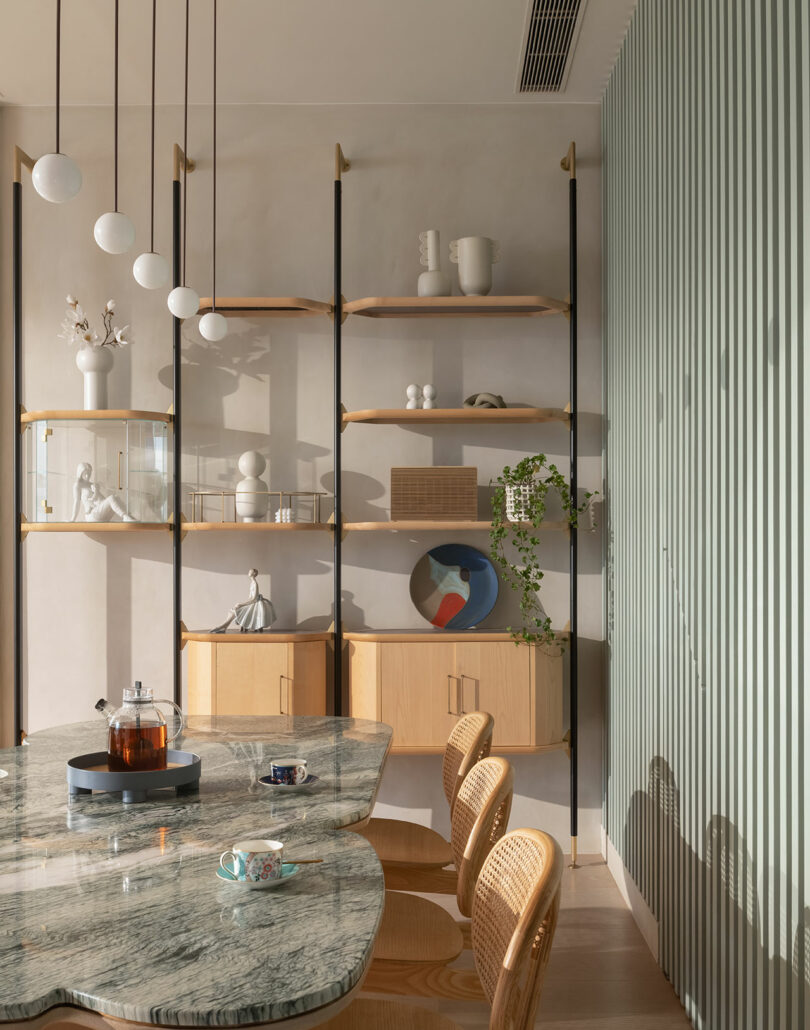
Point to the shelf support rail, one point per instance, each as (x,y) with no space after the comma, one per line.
(21,160)
(181,163)
(569,164)
(341,166)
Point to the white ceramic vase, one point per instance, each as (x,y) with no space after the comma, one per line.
(251,492)
(95,364)
(433,283)
(475,256)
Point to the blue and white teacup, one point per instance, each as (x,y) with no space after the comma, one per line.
(288,771)
(253,860)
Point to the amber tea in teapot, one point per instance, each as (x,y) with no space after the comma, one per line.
(137,738)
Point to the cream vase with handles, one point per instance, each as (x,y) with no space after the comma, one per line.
(475,256)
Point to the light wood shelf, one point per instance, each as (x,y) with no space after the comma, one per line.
(94,527)
(436,636)
(269,637)
(455,416)
(256,527)
(117,414)
(425,526)
(455,307)
(267,307)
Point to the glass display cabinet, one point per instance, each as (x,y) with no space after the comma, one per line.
(99,467)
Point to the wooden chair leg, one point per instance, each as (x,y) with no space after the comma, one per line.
(423,980)
(422,881)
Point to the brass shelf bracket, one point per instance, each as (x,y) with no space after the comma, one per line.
(180,162)
(569,162)
(341,164)
(21,159)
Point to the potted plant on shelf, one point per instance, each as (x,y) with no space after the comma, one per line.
(518,509)
(94,358)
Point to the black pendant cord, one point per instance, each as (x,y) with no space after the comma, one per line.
(115,117)
(185,149)
(58,66)
(214,204)
(154,49)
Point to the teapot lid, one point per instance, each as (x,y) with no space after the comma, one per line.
(137,694)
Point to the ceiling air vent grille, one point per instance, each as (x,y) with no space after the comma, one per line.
(549,41)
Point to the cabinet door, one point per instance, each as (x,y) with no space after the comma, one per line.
(304,687)
(496,678)
(418,692)
(250,678)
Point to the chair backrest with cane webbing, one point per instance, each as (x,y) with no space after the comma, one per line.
(514,916)
(468,743)
(479,820)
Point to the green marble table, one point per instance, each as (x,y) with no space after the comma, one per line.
(115,910)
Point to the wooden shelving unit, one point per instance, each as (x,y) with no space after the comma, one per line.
(425,526)
(455,307)
(107,415)
(270,637)
(94,527)
(257,527)
(455,416)
(267,307)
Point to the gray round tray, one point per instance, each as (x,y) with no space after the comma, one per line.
(87,773)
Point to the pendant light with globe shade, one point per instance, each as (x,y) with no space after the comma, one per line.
(214,326)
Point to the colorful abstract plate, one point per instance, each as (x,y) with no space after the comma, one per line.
(454,586)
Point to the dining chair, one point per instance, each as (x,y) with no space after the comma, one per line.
(418,939)
(407,848)
(514,916)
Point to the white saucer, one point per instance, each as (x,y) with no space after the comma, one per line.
(310,781)
(288,869)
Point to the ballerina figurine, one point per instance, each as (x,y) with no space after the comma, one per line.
(99,506)
(254,615)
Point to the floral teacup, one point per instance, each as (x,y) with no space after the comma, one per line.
(288,771)
(253,860)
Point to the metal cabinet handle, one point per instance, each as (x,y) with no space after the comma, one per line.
(283,692)
(120,456)
(450,710)
(463,677)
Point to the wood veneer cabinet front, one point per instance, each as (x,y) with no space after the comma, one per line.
(422,683)
(286,677)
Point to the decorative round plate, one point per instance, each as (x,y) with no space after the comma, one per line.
(454,586)
(288,871)
(310,781)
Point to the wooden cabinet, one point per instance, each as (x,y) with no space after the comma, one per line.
(253,674)
(422,683)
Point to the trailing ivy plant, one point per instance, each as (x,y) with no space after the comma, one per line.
(524,575)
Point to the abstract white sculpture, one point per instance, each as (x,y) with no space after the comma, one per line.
(433,283)
(414,395)
(99,506)
(251,492)
(429,395)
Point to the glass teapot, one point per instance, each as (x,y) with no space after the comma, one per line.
(138,735)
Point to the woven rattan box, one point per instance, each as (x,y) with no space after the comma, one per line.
(444,493)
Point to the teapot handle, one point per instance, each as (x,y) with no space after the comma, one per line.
(181,717)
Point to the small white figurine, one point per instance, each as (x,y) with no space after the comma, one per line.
(284,515)
(414,393)
(99,506)
(429,395)
(433,283)
(251,492)
(252,616)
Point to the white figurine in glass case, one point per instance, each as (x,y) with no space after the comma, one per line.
(99,506)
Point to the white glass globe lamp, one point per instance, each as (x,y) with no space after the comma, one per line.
(213,326)
(56,177)
(114,232)
(183,302)
(151,270)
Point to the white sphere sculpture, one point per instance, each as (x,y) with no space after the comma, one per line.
(183,302)
(414,395)
(213,326)
(429,395)
(251,492)
(151,270)
(114,232)
(56,177)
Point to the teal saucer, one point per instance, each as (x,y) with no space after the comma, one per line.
(288,871)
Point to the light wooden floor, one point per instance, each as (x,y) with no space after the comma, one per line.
(601,975)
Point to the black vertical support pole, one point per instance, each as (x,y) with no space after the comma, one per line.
(16,302)
(574,666)
(338,529)
(177,524)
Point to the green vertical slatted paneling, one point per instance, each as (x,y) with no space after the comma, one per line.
(706,127)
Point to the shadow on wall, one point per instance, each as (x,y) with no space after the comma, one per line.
(721,890)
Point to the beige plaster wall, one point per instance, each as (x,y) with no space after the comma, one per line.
(98,614)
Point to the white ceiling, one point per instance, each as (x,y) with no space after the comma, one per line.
(297,51)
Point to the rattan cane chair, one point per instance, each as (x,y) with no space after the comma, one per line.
(514,916)
(417,938)
(412,848)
